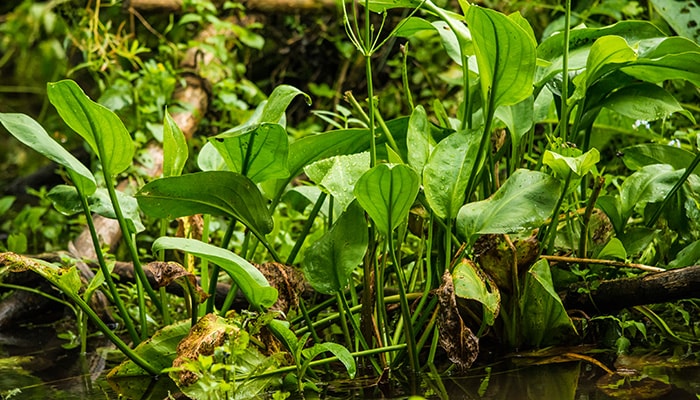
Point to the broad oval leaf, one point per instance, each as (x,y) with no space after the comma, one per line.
(99,126)
(524,201)
(641,155)
(446,175)
(259,153)
(248,278)
(580,42)
(212,192)
(28,131)
(387,193)
(669,58)
(329,262)
(338,175)
(645,101)
(607,53)
(505,54)
(649,184)
(174,147)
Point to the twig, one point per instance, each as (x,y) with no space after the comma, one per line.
(577,260)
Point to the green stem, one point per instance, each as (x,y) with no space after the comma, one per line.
(306,229)
(215,269)
(133,356)
(343,318)
(121,308)
(131,244)
(551,230)
(565,74)
(405,310)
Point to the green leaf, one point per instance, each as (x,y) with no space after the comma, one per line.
(249,279)
(607,53)
(472,284)
(644,101)
(338,175)
(682,16)
(209,159)
(579,165)
(580,42)
(66,200)
(650,184)
(387,193)
(337,350)
(160,350)
(671,58)
(213,192)
(544,314)
(259,153)
(28,131)
(279,100)
(379,6)
(519,118)
(328,263)
(174,147)
(524,201)
(613,249)
(690,255)
(641,155)
(418,139)
(412,25)
(505,54)
(100,127)
(446,175)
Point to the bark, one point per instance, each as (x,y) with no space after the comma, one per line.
(614,295)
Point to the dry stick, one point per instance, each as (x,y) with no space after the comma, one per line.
(577,260)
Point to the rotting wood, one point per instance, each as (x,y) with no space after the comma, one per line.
(614,295)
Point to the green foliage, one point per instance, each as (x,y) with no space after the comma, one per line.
(499,141)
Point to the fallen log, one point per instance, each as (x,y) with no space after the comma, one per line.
(614,295)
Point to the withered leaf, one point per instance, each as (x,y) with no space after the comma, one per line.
(210,332)
(288,281)
(461,345)
(165,273)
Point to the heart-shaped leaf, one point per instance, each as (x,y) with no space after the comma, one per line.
(259,153)
(387,193)
(338,175)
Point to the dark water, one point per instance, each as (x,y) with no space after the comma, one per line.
(34,365)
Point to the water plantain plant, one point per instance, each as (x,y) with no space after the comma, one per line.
(424,211)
